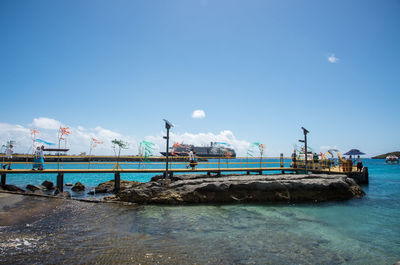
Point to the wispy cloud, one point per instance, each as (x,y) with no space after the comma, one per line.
(325,148)
(198,114)
(333,59)
(79,140)
(46,123)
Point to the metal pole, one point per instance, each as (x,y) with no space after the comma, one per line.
(168,126)
(3,180)
(166,166)
(60,182)
(305,149)
(117,181)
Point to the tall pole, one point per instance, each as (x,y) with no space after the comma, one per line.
(305,149)
(58,157)
(166,154)
(305,131)
(168,126)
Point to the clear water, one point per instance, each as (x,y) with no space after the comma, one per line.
(360,231)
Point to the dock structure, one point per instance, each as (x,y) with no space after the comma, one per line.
(117,172)
(361,177)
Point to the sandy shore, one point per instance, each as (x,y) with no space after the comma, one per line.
(18,209)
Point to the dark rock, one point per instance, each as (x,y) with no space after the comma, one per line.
(68,184)
(48,185)
(243,188)
(110,198)
(39,192)
(32,187)
(157,178)
(65,194)
(13,188)
(78,187)
(92,192)
(108,186)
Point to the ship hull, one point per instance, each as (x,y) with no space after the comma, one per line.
(197,154)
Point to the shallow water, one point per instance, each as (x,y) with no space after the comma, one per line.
(360,231)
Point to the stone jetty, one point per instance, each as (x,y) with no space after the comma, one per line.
(196,188)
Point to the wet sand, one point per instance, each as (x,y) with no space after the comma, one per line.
(19,209)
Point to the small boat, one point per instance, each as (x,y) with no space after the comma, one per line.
(56,149)
(392,159)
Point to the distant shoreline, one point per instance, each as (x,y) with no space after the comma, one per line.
(383,156)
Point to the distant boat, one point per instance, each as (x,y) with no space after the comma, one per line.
(214,150)
(56,149)
(392,159)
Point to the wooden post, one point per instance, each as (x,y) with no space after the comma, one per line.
(117,181)
(3,180)
(248,172)
(60,182)
(281,161)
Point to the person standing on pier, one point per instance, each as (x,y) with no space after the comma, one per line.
(359,164)
(9,153)
(38,158)
(191,156)
(193,162)
(294,159)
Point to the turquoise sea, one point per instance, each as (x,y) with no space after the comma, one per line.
(359,231)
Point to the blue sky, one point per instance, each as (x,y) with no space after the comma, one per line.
(258,69)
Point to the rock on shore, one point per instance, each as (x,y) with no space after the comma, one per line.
(108,186)
(78,187)
(242,188)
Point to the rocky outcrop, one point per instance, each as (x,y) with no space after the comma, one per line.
(32,187)
(108,186)
(243,188)
(78,187)
(13,188)
(48,185)
(65,194)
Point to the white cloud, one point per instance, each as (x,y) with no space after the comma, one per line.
(17,133)
(78,141)
(325,148)
(333,59)
(46,123)
(198,114)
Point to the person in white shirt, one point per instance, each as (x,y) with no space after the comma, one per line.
(191,158)
(9,153)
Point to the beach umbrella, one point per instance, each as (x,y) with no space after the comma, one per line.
(354,152)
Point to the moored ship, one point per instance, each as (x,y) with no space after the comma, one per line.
(392,159)
(214,150)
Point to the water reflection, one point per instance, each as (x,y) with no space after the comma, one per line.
(75,232)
